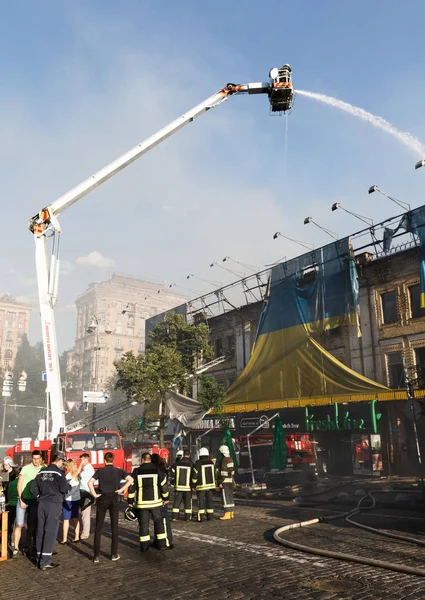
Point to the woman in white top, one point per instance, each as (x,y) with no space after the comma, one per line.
(71,504)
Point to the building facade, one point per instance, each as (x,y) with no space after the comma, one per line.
(111,321)
(391,346)
(14,326)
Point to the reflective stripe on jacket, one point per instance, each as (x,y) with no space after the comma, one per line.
(203,474)
(227,470)
(149,488)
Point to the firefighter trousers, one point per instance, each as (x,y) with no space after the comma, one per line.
(186,496)
(205,504)
(160,528)
(48,515)
(227,497)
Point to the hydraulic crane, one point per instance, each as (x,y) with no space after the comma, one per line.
(45,224)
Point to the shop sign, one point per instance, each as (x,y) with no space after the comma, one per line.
(253,422)
(341,418)
(214,424)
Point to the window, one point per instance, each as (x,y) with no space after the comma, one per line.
(389,307)
(9,335)
(10,316)
(231,344)
(117,355)
(130,344)
(218,347)
(395,370)
(415,302)
(118,343)
(420,366)
(21,315)
(20,325)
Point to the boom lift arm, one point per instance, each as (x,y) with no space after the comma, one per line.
(45,224)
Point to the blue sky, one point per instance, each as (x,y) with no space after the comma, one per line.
(83,82)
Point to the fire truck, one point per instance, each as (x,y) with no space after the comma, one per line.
(94,443)
(299,450)
(47,232)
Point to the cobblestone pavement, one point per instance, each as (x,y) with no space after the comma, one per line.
(233,560)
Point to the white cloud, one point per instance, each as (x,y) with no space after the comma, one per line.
(95,259)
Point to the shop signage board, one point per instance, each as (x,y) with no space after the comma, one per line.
(349,418)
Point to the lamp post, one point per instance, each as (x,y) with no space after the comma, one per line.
(93,327)
(332,234)
(366,220)
(403,205)
(285,237)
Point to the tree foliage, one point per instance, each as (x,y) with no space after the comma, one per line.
(211,394)
(138,428)
(169,360)
(143,377)
(189,341)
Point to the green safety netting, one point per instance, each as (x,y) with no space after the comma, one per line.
(278,458)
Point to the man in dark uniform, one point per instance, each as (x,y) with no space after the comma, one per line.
(225,482)
(50,488)
(181,472)
(149,492)
(109,479)
(203,481)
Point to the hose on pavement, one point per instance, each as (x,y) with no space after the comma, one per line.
(350,557)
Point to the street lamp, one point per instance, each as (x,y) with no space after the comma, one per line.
(366,220)
(403,205)
(212,282)
(237,262)
(420,163)
(215,264)
(332,234)
(303,244)
(93,327)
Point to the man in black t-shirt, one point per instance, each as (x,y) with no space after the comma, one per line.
(109,487)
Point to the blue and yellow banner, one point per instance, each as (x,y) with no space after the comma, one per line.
(307,295)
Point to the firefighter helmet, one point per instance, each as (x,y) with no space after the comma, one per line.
(130,514)
(204,452)
(224,450)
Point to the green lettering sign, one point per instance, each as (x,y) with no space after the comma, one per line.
(337,422)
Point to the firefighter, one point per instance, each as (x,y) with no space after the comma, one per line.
(149,492)
(50,488)
(203,481)
(225,482)
(180,473)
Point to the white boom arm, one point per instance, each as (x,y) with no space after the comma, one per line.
(45,224)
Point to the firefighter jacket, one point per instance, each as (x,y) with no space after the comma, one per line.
(50,485)
(226,471)
(180,472)
(149,487)
(203,474)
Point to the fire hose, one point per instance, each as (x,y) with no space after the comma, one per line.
(350,557)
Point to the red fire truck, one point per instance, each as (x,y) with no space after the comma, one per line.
(299,450)
(95,443)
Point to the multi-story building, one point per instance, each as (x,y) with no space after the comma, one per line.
(14,325)
(111,321)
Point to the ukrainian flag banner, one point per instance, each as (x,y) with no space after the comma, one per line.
(307,295)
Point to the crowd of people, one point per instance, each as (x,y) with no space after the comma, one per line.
(43,496)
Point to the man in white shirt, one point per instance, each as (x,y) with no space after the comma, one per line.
(86,471)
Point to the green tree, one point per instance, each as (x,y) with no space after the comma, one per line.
(212,394)
(26,414)
(138,428)
(147,377)
(190,341)
(171,357)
